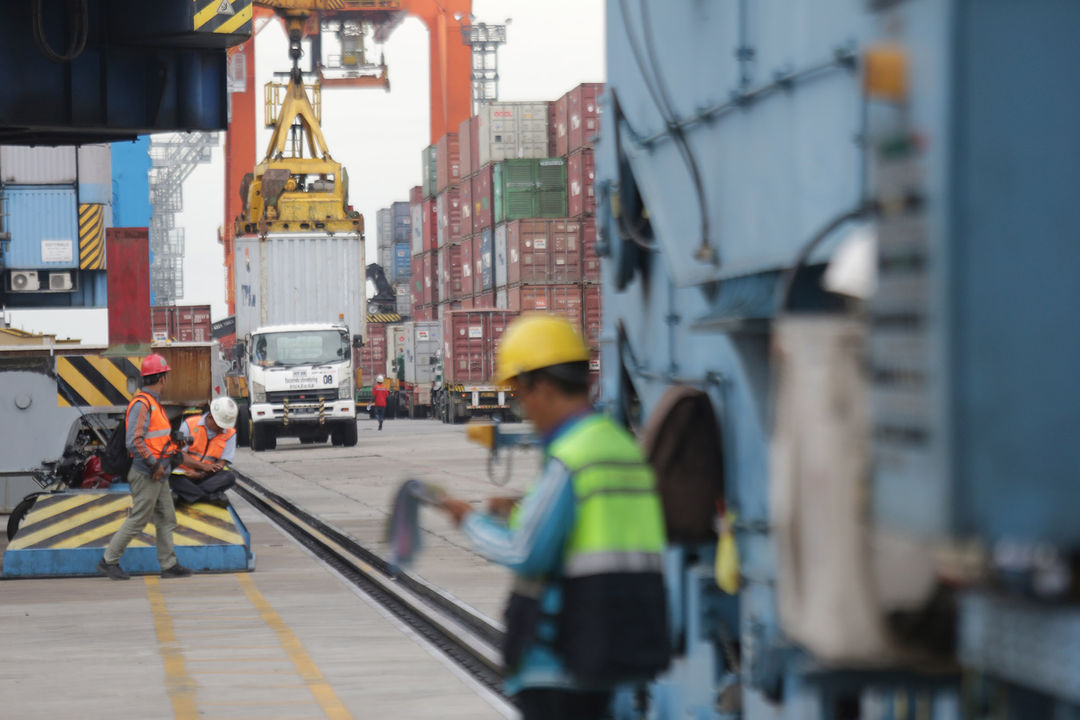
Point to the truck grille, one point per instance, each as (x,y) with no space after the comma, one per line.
(302,396)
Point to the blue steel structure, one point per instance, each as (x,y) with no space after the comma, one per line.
(741,142)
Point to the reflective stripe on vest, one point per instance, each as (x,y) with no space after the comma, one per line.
(619,523)
(158,431)
(202,444)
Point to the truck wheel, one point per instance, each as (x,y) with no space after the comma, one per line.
(243,427)
(348,434)
(263,437)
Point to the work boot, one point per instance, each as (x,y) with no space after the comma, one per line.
(176,571)
(112,570)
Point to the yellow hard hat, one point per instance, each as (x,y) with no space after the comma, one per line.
(535,341)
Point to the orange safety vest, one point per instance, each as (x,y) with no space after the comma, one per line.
(157,435)
(202,445)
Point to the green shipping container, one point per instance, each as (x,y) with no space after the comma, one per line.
(529,189)
(428,168)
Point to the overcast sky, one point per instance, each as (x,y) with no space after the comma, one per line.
(552,45)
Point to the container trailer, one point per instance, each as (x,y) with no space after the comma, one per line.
(469,339)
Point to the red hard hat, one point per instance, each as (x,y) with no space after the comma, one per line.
(154,365)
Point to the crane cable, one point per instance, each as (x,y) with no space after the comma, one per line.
(79,13)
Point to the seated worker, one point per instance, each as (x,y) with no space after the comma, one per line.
(203,477)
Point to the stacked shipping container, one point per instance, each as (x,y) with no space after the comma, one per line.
(394,233)
(507,213)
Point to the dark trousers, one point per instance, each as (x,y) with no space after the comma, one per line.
(551,704)
(380,415)
(209,487)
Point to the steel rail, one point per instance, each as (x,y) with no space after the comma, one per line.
(466,636)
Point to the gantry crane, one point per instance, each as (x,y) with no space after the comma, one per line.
(450,72)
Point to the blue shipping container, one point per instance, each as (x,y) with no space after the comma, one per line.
(402,265)
(131,183)
(43,222)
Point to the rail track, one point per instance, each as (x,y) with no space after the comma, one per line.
(467,638)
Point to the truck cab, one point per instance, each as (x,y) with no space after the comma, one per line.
(300,384)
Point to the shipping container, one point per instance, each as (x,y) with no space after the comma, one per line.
(583,115)
(447,162)
(416,282)
(591,314)
(430,225)
(484,300)
(512,130)
(427,171)
(470,282)
(450,271)
(403,302)
(538,251)
(560,299)
(24,165)
(449,211)
(469,341)
(557,129)
(416,196)
(385,259)
(402,262)
(418,344)
(416,227)
(371,356)
(529,189)
(384,228)
(128,277)
(423,312)
(482,201)
(467,137)
(590,261)
(465,188)
(43,224)
(484,260)
(431,286)
(95,174)
(300,278)
(502,300)
(581,183)
(181,323)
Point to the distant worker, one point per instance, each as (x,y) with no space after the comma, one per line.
(152,450)
(203,476)
(380,393)
(587,609)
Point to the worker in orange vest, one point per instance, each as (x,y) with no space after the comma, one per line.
(380,392)
(203,476)
(148,439)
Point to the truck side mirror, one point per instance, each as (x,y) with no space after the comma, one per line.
(357,341)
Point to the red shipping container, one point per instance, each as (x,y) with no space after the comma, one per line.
(447,162)
(581,183)
(371,357)
(557,129)
(468,136)
(430,291)
(590,262)
(431,225)
(466,208)
(483,202)
(592,314)
(416,195)
(416,283)
(422,312)
(449,209)
(484,300)
(127,252)
(470,282)
(469,341)
(466,304)
(583,115)
(543,251)
(560,299)
(450,271)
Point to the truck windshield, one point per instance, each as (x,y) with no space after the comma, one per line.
(301,347)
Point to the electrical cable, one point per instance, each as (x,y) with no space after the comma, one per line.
(81,29)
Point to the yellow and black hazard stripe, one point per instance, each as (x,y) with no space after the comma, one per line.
(228,17)
(383,318)
(94,380)
(65,521)
(92,236)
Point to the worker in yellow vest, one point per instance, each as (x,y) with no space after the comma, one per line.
(587,611)
(204,474)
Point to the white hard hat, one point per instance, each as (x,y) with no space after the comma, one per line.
(379,379)
(224,412)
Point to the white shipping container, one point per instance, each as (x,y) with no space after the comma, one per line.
(95,174)
(501,265)
(386,260)
(384,228)
(403,301)
(420,344)
(502,301)
(417,228)
(301,278)
(512,130)
(38,165)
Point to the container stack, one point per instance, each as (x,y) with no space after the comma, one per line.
(506,216)
(393,227)
(182,323)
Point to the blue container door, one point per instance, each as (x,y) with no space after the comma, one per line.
(402,261)
(43,223)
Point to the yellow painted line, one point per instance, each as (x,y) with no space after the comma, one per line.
(110,372)
(42,511)
(203,16)
(242,16)
(309,671)
(228,536)
(71,523)
(61,401)
(178,682)
(80,384)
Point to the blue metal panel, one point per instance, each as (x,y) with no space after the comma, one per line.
(131,183)
(43,222)
(402,265)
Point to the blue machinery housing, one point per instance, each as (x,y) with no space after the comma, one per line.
(742,144)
